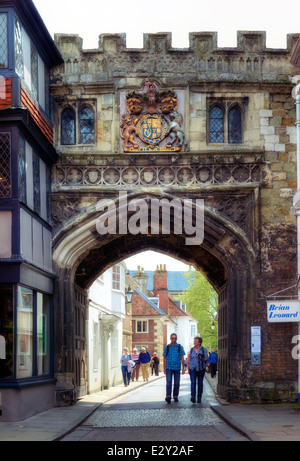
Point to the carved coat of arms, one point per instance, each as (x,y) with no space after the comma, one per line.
(151,121)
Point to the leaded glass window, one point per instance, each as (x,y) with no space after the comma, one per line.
(36,182)
(68,131)
(216,125)
(5,167)
(18,49)
(22,170)
(3,41)
(235,133)
(34,72)
(87,126)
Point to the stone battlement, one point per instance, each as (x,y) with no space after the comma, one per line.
(200,42)
(250,61)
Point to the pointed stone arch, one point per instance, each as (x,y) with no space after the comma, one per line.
(226,257)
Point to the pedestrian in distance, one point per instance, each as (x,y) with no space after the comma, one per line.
(173,362)
(196,367)
(126,358)
(155,364)
(213,362)
(136,370)
(144,362)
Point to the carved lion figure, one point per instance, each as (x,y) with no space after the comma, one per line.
(128,131)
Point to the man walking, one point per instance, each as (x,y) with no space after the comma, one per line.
(213,362)
(173,363)
(144,362)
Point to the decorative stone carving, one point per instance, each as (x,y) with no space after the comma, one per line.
(152,121)
(174,172)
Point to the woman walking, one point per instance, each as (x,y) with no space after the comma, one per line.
(124,366)
(196,367)
(136,370)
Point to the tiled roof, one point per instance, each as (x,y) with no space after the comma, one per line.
(158,309)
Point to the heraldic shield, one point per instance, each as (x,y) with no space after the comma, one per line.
(152,129)
(151,120)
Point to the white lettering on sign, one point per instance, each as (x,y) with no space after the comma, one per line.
(283,311)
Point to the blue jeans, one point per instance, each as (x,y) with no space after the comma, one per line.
(196,378)
(126,375)
(169,376)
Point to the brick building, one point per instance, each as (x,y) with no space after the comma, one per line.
(156,315)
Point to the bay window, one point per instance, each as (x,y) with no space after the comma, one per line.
(3,41)
(30,66)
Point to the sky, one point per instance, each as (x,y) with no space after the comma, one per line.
(91,18)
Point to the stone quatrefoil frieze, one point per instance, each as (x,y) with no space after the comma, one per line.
(136,176)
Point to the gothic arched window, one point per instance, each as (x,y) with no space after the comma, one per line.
(86,126)
(68,130)
(216,125)
(235,126)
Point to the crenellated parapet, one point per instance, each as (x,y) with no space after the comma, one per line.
(250,60)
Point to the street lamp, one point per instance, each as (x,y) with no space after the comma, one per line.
(129,294)
(213,325)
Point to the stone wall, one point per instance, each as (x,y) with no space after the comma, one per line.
(247,187)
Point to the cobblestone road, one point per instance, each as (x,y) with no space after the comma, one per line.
(145,416)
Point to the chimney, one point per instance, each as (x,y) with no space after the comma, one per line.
(160,287)
(141,277)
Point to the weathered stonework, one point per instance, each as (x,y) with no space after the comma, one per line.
(249,248)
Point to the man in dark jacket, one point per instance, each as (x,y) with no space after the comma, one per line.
(144,362)
(213,362)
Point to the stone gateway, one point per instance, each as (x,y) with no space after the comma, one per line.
(159,125)
(201,123)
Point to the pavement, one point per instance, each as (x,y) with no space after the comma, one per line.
(272,422)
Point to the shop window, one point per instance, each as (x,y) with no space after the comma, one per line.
(216,125)
(6,331)
(33,333)
(86,126)
(24,333)
(68,132)
(43,334)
